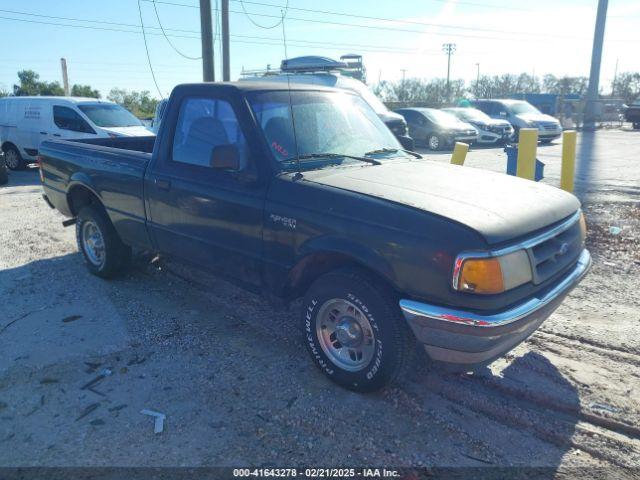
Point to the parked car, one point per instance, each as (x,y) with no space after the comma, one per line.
(521,114)
(632,113)
(385,249)
(490,130)
(4,174)
(437,129)
(25,122)
(326,72)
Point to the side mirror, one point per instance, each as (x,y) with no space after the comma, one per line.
(225,157)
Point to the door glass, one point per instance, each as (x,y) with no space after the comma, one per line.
(203,124)
(68,119)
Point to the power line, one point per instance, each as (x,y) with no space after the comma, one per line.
(155,8)
(383,19)
(328,22)
(286,9)
(146,47)
(298,42)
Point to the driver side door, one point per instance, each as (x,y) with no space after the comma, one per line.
(207,216)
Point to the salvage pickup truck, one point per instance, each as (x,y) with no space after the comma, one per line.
(302,192)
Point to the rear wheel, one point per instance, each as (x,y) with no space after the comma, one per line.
(103,251)
(13,159)
(636,125)
(355,332)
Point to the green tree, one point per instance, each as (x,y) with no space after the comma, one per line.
(141,104)
(627,86)
(84,91)
(30,84)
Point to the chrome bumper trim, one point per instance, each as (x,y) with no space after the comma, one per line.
(413,310)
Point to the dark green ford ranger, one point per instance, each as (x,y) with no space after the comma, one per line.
(302,191)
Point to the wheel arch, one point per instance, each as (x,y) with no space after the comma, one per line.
(329,254)
(79,194)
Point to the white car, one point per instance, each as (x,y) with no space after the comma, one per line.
(25,122)
(521,114)
(491,131)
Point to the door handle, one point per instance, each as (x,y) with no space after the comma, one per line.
(162,184)
(56,135)
(43,133)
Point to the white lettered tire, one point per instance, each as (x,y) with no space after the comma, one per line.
(354,330)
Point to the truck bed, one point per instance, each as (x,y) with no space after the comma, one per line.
(112,168)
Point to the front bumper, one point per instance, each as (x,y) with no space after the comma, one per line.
(466,341)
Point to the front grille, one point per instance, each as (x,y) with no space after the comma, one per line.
(554,254)
(549,126)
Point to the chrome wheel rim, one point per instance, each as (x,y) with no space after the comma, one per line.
(93,243)
(11,159)
(345,334)
(434,142)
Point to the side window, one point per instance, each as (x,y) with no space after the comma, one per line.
(66,118)
(203,124)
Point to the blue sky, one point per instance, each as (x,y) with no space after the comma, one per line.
(502,36)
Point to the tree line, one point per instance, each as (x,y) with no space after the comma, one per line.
(141,104)
(433,92)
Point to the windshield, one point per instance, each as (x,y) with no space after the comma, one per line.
(325,123)
(440,117)
(522,107)
(471,114)
(110,115)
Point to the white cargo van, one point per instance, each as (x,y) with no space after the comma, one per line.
(25,122)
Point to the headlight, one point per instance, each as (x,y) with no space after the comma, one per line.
(489,275)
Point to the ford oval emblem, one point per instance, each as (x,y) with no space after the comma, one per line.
(564,248)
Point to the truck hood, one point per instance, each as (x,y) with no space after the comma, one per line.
(497,206)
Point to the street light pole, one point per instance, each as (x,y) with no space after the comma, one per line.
(448,49)
(596,59)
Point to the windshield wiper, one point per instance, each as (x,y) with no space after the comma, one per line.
(372,161)
(393,150)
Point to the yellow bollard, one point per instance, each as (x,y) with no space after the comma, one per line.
(568,169)
(459,153)
(527,146)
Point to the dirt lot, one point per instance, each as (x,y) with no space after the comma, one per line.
(231,374)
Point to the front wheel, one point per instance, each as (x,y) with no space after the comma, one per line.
(13,159)
(636,125)
(355,332)
(103,251)
(434,142)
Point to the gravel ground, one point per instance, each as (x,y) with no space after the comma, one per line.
(230,371)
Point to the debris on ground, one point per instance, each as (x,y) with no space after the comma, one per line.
(158,425)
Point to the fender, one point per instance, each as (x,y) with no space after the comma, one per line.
(80,179)
(361,254)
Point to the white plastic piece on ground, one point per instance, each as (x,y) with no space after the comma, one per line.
(158,425)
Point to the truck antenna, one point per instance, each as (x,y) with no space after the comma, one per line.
(293,121)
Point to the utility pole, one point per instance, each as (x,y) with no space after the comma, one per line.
(65,76)
(449,49)
(404,72)
(226,68)
(615,79)
(206,33)
(596,59)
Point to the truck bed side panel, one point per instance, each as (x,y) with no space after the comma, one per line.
(114,175)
